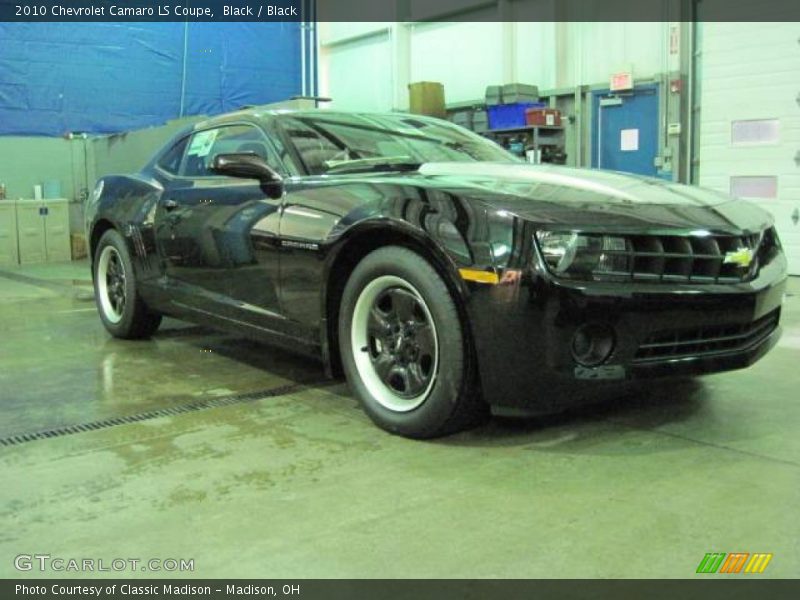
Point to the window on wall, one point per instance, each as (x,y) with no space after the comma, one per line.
(754,186)
(754,131)
(207,144)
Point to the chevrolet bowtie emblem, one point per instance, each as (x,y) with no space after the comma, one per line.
(741,256)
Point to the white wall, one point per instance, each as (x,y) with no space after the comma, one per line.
(368,66)
(750,74)
(462,56)
(355,65)
(589,52)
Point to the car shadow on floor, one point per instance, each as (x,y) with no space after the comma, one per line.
(275,361)
(636,406)
(643,407)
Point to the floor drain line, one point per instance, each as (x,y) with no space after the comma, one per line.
(171,411)
(82,290)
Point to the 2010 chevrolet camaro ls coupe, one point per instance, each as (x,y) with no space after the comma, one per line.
(439,273)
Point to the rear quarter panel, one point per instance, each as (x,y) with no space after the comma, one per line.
(128,203)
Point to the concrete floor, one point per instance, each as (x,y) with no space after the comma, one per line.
(303,485)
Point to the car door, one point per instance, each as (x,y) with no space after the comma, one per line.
(217,235)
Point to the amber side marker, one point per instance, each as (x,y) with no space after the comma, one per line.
(479,276)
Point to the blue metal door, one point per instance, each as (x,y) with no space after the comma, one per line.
(625,132)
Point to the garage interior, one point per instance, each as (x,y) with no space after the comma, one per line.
(202,445)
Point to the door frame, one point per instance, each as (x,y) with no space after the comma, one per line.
(596,115)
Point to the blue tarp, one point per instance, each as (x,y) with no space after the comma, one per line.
(112,77)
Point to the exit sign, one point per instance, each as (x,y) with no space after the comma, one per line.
(621,82)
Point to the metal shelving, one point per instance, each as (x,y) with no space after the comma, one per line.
(532,137)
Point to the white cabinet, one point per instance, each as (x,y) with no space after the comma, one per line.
(30,231)
(8,233)
(56,230)
(43,230)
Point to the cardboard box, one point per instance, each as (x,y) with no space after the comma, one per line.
(427,98)
(78,241)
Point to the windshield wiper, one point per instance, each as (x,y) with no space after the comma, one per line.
(374,163)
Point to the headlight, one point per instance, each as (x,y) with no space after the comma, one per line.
(584,256)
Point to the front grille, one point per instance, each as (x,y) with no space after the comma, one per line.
(683,259)
(704,341)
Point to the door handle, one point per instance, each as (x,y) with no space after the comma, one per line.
(170,204)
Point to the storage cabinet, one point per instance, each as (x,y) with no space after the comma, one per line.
(42,231)
(8,233)
(30,231)
(57,243)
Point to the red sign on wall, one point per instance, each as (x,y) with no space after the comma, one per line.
(621,81)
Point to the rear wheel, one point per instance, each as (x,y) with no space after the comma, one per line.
(404,349)
(121,309)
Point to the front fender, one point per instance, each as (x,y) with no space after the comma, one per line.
(368,234)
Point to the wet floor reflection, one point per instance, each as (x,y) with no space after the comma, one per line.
(60,366)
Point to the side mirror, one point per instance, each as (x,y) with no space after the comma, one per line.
(248,165)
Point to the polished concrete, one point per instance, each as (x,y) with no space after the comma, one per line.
(303,485)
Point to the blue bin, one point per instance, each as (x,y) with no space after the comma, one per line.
(506,116)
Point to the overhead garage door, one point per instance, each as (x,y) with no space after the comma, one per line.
(750,119)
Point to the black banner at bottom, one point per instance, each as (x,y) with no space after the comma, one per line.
(730,588)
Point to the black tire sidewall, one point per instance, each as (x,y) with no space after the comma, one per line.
(125,325)
(443,399)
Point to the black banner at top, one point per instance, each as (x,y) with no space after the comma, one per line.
(398,10)
(148,10)
(396,589)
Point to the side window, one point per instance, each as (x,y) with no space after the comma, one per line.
(314,148)
(283,153)
(205,145)
(171,160)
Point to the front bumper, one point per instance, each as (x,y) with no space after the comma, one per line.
(523,333)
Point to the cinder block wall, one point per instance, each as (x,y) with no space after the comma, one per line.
(127,152)
(27,161)
(77,163)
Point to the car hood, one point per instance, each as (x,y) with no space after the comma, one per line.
(594,199)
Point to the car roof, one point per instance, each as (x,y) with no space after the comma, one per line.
(261,113)
(257,114)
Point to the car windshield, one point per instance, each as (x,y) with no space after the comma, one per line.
(348,143)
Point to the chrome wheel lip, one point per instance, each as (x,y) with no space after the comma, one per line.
(359,338)
(111,286)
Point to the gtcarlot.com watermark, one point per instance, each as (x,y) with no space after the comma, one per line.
(42,563)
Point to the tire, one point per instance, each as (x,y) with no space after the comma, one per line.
(410,378)
(121,309)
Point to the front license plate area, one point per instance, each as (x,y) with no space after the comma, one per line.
(606,372)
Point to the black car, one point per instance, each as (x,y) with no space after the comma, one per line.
(439,273)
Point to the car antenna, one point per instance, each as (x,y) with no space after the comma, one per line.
(316,99)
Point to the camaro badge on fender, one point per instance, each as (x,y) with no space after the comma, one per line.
(742,257)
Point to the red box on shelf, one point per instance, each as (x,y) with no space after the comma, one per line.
(546,117)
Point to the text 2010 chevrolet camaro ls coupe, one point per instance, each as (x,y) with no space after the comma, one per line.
(439,273)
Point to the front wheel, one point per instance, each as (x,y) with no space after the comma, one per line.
(122,311)
(404,348)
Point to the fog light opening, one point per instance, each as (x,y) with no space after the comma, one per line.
(592,344)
